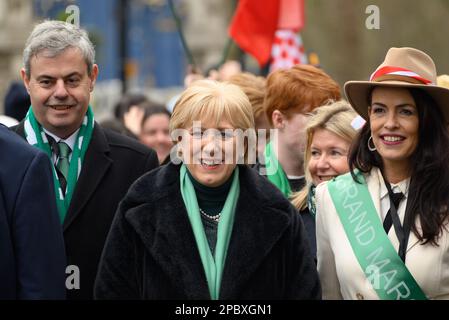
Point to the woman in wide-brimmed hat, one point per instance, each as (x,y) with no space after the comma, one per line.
(382,228)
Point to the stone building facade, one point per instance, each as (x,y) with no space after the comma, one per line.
(16,22)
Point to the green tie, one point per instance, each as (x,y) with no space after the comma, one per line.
(63,162)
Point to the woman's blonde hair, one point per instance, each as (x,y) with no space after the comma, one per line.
(335,117)
(213,101)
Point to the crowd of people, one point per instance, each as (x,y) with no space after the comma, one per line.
(246,188)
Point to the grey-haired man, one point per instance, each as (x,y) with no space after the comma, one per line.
(93,167)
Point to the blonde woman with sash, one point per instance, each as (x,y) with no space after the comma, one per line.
(207,226)
(382,228)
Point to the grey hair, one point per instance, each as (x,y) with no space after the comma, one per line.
(54,37)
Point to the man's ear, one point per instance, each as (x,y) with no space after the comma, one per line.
(26,80)
(93,77)
(278,119)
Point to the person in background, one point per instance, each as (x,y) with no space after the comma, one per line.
(443,80)
(254,87)
(208,227)
(129,114)
(225,71)
(290,95)
(8,121)
(93,167)
(329,133)
(155,130)
(382,228)
(32,256)
(16,104)
(219,72)
(17,101)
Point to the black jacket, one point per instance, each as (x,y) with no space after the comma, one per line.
(111,164)
(310,225)
(151,251)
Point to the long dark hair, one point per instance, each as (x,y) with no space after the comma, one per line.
(429,185)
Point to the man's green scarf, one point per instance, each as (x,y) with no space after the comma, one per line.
(35,136)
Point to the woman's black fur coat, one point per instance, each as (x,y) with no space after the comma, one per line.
(151,251)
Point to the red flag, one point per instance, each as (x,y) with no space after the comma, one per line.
(287,51)
(253,27)
(288,48)
(291,15)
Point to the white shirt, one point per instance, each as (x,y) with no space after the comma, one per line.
(295,177)
(401,186)
(70,141)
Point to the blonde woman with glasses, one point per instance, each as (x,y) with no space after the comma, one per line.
(208,227)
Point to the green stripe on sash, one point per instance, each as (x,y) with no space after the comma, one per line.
(376,255)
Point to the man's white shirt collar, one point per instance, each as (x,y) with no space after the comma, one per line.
(70,140)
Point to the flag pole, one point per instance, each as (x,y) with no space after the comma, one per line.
(226,50)
(229,42)
(181,34)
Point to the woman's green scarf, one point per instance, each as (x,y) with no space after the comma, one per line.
(311,202)
(213,265)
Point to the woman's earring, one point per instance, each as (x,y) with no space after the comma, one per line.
(373,148)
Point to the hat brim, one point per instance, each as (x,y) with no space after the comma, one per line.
(357,94)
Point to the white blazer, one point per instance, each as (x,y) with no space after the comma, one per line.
(340,272)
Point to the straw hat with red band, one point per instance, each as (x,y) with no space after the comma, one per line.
(402,67)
